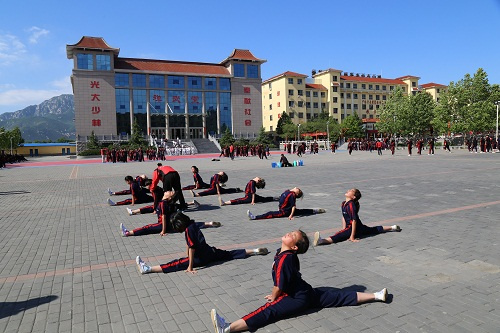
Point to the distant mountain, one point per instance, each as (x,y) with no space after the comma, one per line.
(50,120)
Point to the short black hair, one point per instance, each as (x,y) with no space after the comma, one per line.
(223,178)
(195,168)
(180,221)
(302,244)
(129,179)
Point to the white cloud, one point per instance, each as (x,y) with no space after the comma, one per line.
(36,33)
(22,98)
(11,49)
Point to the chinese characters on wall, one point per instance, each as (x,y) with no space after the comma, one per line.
(247,101)
(96,107)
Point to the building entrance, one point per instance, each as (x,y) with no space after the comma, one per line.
(196,133)
(177,133)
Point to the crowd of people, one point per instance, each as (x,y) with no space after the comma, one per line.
(10,159)
(234,150)
(290,295)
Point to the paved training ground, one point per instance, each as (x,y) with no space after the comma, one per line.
(65,268)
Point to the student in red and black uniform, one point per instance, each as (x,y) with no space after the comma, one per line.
(287,207)
(352,228)
(199,253)
(198,181)
(292,295)
(393,146)
(409,143)
(141,180)
(250,195)
(164,210)
(215,186)
(171,181)
(139,194)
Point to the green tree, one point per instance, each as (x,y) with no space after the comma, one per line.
(418,114)
(13,137)
(137,137)
(93,142)
(227,138)
(289,131)
(391,113)
(263,138)
(282,121)
(352,127)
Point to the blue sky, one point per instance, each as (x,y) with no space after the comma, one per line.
(439,41)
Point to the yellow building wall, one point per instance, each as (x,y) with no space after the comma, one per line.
(46,150)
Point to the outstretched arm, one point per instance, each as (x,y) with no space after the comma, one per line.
(275,293)
(190,268)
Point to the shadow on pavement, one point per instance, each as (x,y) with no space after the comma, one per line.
(8,309)
(14,192)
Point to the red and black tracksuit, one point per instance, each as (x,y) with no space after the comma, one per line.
(286,203)
(250,190)
(350,213)
(296,294)
(197,181)
(203,254)
(139,194)
(171,181)
(214,181)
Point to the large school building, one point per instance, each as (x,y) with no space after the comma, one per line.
(168,99)
(335,92)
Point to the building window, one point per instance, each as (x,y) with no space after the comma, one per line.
(194,82)
(377,106)
(299,81)
(252,71)
(348,85)
(363,96)
(271,117)
(335,100)
(225,113)
(270,107)
(342,106)
(437,99)
(414,84)
(292,115)
(370,86)
(291,104)
(239,70)
(437,90)
(377,87)
(157,101)
(176,100)
(323,105)
(278,104)
(210,83)
(300,104)
(175,81)
(270,128)
(404,89)
(315,94)
(384,88)
(121,80)
(384,97)
(290,81)
(391,88)
(194,101)
(300,92)
(371,116)
(363,86)
(355,86)
(348,106)
(270,86)
(355,96)
(335,89)
(363,106)
(355,106)
(308,105)
(308,94)
(341,84)
(348,95)
(364,116)
(335,110)
(370,97)
(224,84)
(341,95)
(290,92)
(139,80)
(103,62)
(334,78)
(156,81)
(377,97)
(370,107)
(301,114)
(270,96)
(323,94)
(84,61)
(315,105)
(308,116)
(139,96)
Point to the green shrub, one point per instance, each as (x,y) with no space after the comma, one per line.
(90,152)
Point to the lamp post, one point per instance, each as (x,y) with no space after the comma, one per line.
(298,132)
(328,133)
(497,103)
(11,144)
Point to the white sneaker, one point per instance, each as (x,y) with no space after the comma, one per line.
(110,202)
(250,215)
(196,204)
(319,211)
(109,191)
(215,224)
(219,323)
(396,228)
(141,266)
(123,230)
(129,211)
(192,193)
(381,295)
(261,251)
(317,238)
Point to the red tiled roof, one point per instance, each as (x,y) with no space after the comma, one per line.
(286,74)
(407,77)
(315,86)
(239,54)
(371,79)
(432,85)
(92,43)
(170,66)
(367,120)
